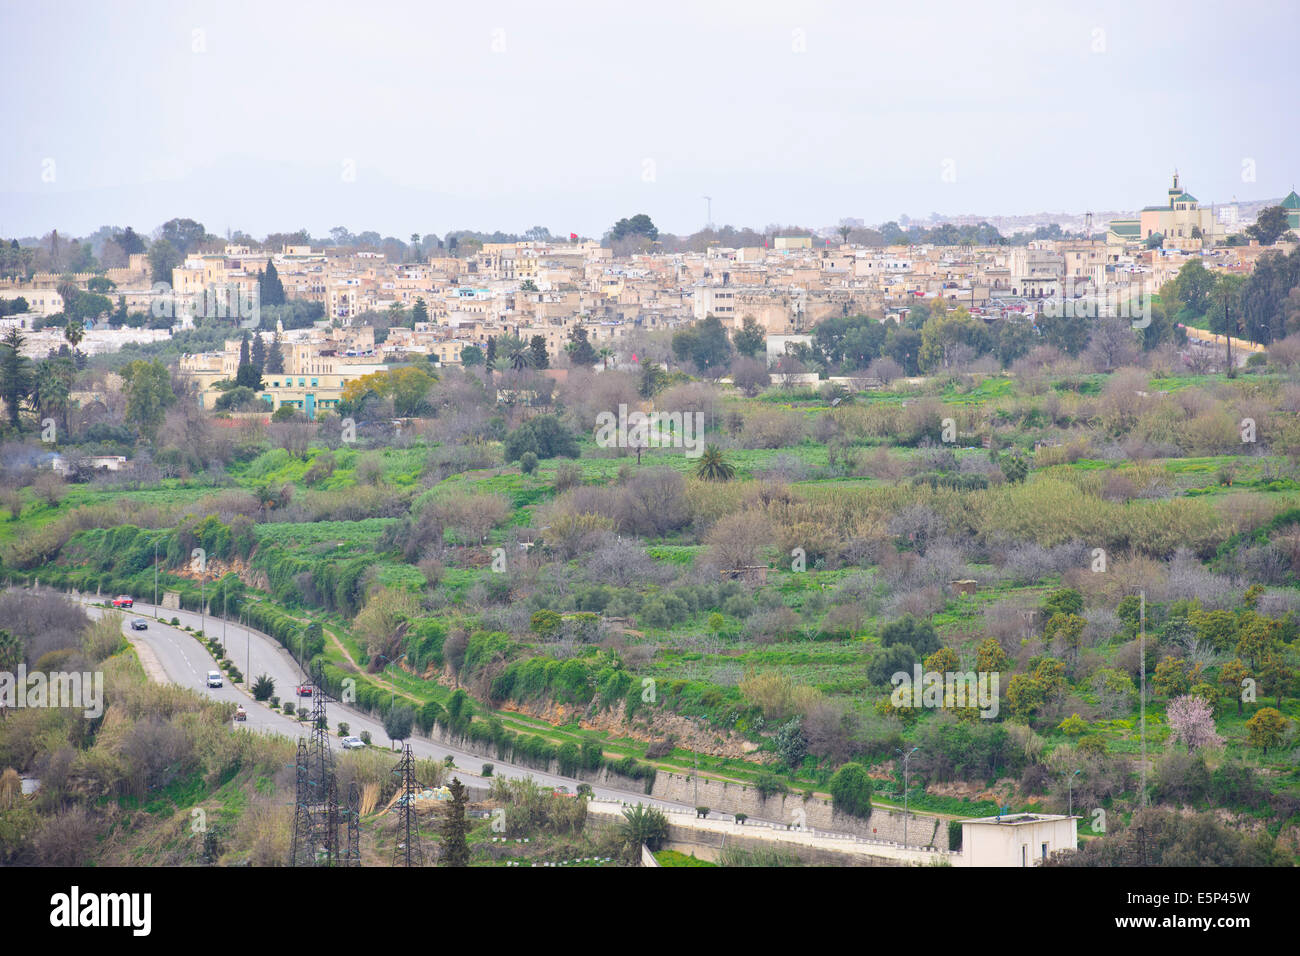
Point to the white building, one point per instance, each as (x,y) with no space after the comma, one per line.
(1017,839)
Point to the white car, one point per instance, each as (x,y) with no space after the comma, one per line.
(215,679)
(353,743)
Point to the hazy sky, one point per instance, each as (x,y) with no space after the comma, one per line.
(426,117)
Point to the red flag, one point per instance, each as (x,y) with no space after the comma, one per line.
(633,356)
(573,235)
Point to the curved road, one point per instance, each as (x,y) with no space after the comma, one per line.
(186,661)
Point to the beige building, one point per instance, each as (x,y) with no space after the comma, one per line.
(1017,839)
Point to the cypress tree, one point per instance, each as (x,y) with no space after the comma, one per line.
(454,829)
(275,357)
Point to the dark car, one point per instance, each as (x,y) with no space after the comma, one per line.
(139,624)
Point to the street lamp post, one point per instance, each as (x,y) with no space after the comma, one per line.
(155,578)
(1069,781)
(906,757)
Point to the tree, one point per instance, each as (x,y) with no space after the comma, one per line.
(11,651)
(74,332)
(1269,225)
(519,356)
(750,375)
(537,345)
(638,225)
(545,436)
(1191,721)
(750,339)
(1266,728)
(579,349)
(275,357)
(1063,601)
(257,354)
(471,355)
(454,829)
(263,687)
(653,379)
(642,826)
(1231,677)
(270,290)
(163,258)
(1015,338)
(398,723)
(247,375)
(705,344)
(917,634)
(182,234)
(712,466)
(16,378)
(791,743)
(148,394)
(53,387)
(1065,332)
(851,790)
(1170,678)
(946,334)
(129,242)
(420,312)
(490,361)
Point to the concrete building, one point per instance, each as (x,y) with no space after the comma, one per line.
(1017,839)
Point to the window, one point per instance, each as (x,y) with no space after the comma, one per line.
(1024,854)
(1044,851)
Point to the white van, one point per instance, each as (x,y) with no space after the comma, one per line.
(215,679)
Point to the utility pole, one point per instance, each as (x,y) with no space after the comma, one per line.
(906,757)
(1142,669)
(708,224)
(1227,334)
(1069,780)
(155,578)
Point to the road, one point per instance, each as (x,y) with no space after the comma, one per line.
(186,661)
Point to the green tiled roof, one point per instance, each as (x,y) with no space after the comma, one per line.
(1292,201)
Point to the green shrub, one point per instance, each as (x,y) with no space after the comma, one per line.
(851,790)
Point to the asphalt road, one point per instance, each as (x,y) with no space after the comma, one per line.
(186,662)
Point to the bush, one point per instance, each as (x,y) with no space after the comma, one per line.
(487,769)
(769,784)
(343,728)
(263,688)
(528,463)
(365,737)
(288,708)
(851,790)
(919,635)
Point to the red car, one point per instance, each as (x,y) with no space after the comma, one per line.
(123,600)
(304,690)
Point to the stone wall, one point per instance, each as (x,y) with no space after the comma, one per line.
(732,798)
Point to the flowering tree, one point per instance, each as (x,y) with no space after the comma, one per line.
(1192,722)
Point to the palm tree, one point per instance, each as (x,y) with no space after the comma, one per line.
(520,357)
(74,332)
(606,354)
(713,467)
(642,825)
